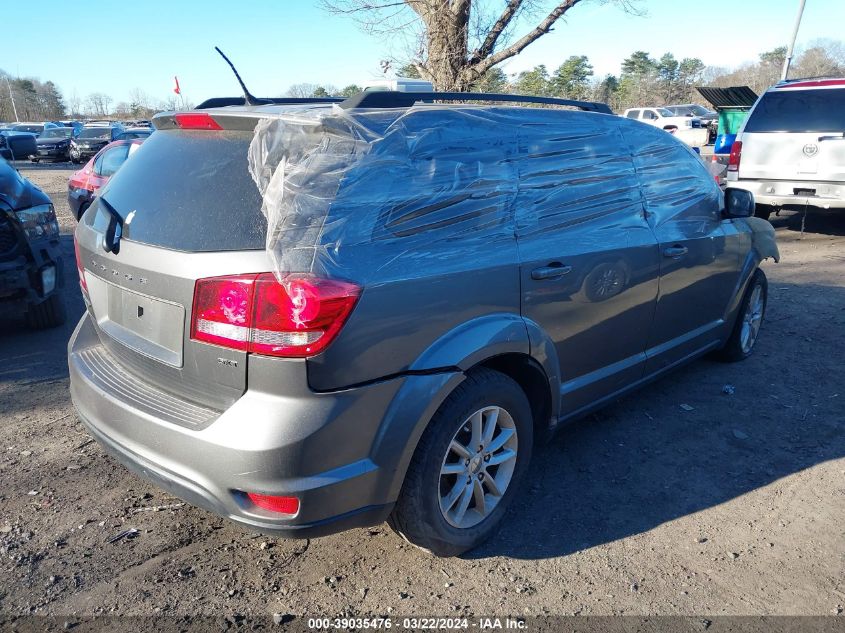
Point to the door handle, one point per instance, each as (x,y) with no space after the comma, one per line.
(552,271)
(675,251)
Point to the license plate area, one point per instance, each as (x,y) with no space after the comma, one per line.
(150,326)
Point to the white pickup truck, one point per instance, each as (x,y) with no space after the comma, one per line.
(663,118)
(689,129)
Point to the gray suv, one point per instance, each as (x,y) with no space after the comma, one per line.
(309,317)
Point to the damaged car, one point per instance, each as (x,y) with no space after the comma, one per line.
(30,255)
(91,139)
(309,316)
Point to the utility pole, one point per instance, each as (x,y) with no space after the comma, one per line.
(12,97)
(789,50)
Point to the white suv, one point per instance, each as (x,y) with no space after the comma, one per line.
(790,153)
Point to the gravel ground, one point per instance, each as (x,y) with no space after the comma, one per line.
(734,504)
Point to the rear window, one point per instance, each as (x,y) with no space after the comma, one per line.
(95,132)
(821,110)
(188,191)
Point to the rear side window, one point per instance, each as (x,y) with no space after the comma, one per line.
(189,191)
(819,110)
(633,114)
(676,185)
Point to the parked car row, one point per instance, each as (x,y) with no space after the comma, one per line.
(73,141)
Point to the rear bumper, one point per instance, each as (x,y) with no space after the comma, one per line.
(782,193)
(315,446)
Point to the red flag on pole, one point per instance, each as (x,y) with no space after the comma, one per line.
(177,90)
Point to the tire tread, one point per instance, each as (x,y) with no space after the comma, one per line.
(408,515)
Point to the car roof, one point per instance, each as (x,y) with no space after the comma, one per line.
(809,83)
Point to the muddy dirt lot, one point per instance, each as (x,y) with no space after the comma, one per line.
(734,504)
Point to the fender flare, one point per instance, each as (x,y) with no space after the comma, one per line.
(436,374)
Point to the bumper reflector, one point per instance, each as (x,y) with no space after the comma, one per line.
(282,505)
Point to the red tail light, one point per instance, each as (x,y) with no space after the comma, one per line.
(282,505)
(196,121)
(80,268)
(735,157)
(255,313)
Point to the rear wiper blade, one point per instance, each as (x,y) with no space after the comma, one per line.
(111,238)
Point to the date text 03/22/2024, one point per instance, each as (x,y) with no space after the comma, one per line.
(416,623)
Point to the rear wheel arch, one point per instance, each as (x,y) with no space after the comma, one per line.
(532,379)
(514,346)
(402,431)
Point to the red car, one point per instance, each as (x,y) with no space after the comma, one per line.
(85,183)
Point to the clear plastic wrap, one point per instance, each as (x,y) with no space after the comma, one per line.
(432,177)
(332,179)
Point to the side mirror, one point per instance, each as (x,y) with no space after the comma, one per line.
(739,203)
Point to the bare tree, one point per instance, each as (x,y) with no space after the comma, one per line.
(74,104)
(458,40)
(98,104)
(302,90)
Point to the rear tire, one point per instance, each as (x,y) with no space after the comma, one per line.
(486,400)
(49,313)
(749,320)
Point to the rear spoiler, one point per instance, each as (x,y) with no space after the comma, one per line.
(399,99)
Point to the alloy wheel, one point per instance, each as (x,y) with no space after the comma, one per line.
(752,319)
(478,467)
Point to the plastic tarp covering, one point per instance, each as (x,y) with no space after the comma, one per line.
(429,178)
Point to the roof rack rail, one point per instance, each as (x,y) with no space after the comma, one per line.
(814,78)
(220,102)
(396,99)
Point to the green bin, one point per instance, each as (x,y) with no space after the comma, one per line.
(730,120)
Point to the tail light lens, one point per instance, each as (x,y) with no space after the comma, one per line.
(80,268)
(735,157)
(298,317)
(282,505)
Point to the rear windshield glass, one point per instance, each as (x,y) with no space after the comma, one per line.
(821,110)
(189,191)
(95,132)
(57,133)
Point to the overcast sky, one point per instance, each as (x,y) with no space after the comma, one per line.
(115,46)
